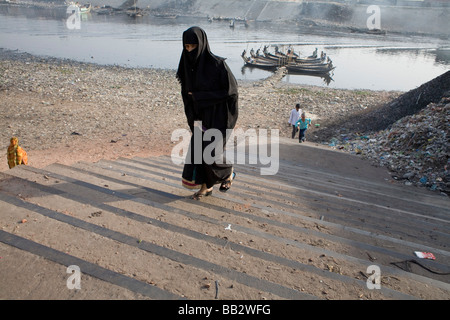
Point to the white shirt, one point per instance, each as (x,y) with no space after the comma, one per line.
(295,115)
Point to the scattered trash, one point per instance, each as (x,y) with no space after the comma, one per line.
(425,255)
(423,180)
(229,227)
(406,266)
(414,148)
(333,142)
(217,289)
(371,258)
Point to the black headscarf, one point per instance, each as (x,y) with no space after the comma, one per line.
(191,38)
(207,77)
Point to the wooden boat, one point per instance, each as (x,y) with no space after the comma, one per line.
(310,65)
(258,63)
(312,59)
(289,56)
(319,68)
(270,59)
(326,77)
(290,53)
(274,61)
(135,12)
(104,11)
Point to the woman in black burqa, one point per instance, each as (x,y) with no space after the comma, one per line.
(210,95)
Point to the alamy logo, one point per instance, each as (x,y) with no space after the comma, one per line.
(242,147)
(74,281)
(74,19)
(374,280)
(374,21)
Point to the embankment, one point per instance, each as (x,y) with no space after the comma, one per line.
(391,18)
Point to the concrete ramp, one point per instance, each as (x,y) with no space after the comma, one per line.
(315,230)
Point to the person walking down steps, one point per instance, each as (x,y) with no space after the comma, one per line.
(210,95)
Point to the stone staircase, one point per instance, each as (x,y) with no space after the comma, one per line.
(315,230)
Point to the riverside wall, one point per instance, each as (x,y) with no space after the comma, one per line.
(404,16)
(408,17)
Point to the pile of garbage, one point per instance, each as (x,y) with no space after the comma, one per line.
(414,149)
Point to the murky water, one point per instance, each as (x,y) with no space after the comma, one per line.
(390,62)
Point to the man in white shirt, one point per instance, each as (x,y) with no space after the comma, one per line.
(295,115)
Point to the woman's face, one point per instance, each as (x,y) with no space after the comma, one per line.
(189,47)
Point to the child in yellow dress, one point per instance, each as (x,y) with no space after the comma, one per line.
(16,155)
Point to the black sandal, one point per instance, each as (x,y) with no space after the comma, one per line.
(198,196)
(226,185)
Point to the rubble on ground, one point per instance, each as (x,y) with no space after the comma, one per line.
(414,149)
(409,135)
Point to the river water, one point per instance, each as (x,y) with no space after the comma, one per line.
(374,62)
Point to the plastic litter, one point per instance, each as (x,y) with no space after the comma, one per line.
(415,148)
(425,255)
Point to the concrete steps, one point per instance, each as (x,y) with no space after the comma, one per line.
(310,231)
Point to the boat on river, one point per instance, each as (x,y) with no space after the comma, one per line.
(292,61)
(310,68)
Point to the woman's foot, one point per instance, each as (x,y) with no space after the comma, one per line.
(226,185)
(203,192)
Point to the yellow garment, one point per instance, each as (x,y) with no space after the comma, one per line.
(16,155)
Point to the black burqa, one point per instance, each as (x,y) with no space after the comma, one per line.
(210,95)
